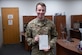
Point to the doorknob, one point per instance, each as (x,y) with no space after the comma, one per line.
(3,28)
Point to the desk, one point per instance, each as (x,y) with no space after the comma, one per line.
(75,34)
(28,48)
(64,48)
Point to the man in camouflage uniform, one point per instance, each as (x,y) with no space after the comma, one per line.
(41,26)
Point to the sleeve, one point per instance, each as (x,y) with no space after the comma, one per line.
(53,36)
(29,38)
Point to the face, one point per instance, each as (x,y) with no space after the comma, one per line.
(41,10)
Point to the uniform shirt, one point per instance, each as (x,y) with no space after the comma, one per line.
(40,27)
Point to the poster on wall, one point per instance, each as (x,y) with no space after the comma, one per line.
(10,22)
(10,16)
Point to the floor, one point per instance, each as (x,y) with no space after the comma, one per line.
(13,49)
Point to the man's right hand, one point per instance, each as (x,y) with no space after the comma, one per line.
(36,38)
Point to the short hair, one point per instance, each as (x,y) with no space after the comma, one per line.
(42,4)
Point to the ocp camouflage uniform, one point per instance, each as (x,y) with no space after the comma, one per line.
(37,27)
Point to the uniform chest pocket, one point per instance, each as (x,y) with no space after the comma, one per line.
(45,30)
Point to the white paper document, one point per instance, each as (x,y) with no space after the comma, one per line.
(43,42)
(10,22)
(10,16)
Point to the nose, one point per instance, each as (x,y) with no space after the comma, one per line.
(41,11)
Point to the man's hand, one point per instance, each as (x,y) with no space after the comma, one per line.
(47,49)
(36,38)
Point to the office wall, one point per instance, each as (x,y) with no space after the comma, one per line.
(27,7)
(0,28)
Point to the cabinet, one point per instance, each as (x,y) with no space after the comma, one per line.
(75,18)
(58,20)
(75,33)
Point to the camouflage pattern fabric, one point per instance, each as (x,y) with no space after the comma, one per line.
(44,27)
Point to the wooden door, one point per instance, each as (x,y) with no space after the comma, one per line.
(10,22)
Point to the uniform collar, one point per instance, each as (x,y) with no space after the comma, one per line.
(41,21)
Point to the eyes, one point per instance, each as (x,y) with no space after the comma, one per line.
(41,10)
